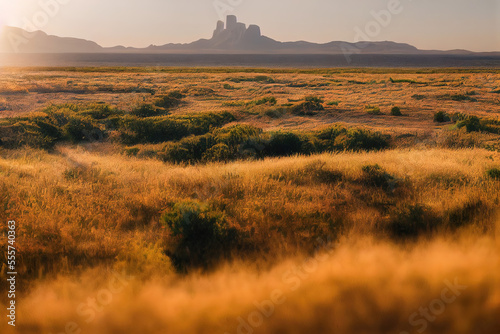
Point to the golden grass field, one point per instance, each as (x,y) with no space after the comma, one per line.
(403,239)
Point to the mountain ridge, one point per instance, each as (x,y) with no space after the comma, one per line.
(229,37)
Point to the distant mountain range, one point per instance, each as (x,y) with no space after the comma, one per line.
(231,37)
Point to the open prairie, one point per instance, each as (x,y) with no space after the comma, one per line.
(235,200)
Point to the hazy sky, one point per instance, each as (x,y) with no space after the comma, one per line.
(426,24)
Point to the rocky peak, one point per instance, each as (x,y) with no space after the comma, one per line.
(219,28)
(235,33)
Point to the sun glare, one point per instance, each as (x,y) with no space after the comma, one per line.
(2,20)
(9,13)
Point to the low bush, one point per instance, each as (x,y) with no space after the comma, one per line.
(99,111)
(458,97)
(188,150)
(145,110)
(135,130)
(361,140)
(275,113)
(283,144)
(235,135)
(200,235)
(83,129)
(411,221)
(376,176)
(396,111)
(418,97)
(373,110)
(471,124)
(311,106)
(170,100)
(441,117)
(490,126)
(219,145)
(267,100)
(199,91)
(402,81)
(493,173)
(234,104)
(465,214)
(219,153)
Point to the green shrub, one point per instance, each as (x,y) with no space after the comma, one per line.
(201,236)
(396,111)
(253,147)
(132,152)
(283,144)
(310,107)
(490,126)
(48,130)
(411,221)
(145,110)
(338,138)
(373,110)
(234,135)
(466,213)
(375,176)
(177,153)
(314,99)
(458,97)
(234,104)
(402,80)
(100,111)
(333,103)
(418,97)
(494,173)
(170,100)
(219,145)
(275,113)
(135,130)
(61,122)
(360,139)
(298,84)
(16,132)
(441,117)
(152,130)
(458,116)
(267,100)
(329,135)
(471,124)
(190,149)
(82,129)
(219,152)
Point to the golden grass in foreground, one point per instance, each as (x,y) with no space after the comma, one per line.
(358,286)
(84,207)
(85,212)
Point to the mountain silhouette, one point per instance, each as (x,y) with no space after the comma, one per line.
(18,40)
(229,37)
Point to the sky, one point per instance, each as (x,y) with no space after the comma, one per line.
(427,24)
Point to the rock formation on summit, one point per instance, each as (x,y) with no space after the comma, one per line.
(235,35)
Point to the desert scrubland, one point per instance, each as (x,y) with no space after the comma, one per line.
(232,200)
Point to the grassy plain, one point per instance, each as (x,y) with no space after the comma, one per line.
(252,200)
